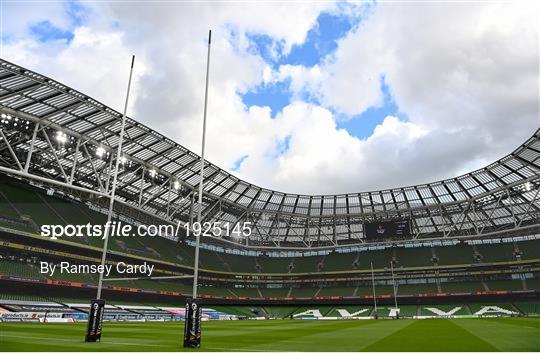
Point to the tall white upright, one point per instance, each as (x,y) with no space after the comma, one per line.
(394,284)
(373,284)
(115,178)
(201,178)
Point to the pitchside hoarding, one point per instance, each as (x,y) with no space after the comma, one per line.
(192,326)
(95,320)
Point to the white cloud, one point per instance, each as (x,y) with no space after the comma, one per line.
(19,16)
(449,65)
(465,73)
(466,76)
(77,65)
(303,79)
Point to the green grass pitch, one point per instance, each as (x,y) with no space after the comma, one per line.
(503,334)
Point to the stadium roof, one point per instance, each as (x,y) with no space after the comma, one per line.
(64,137)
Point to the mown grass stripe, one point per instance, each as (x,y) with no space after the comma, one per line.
(507,335)
(431,335)
(284,335)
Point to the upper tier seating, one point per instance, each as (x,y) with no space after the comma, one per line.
(499,253)
(24,202)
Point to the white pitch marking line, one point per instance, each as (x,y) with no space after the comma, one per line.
(68,340)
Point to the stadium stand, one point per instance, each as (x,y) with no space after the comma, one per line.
(416,288)
(473,238)
(462,287)
(455,309)
(505,285)
(340,261)
(528,308)
(533,283)
(499,253)
(30,202)
(456,254)
(275,292)
(303,292)
(274,264)
(363,310)
(379,258)
(408,310)
(279,312)
(246,292)
(306,264)
(528,250)
(336,291)
(413,257)
(475,308)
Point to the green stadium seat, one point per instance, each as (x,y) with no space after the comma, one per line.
(275,292)
(246,292)
(279,312)
(336,291)
(528,308)
(530,249)
(303,292)
(455,309)
(353,310)
(413,257)
(513,285)
(404,289)
(462,287)
(454,255)
(533,283)
(407,310)
(496,253)
(506,306)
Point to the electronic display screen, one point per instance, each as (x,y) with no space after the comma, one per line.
(387,229)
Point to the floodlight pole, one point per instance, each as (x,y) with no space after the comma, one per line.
(373,284)
(201,178)
(394,283)
(115,177)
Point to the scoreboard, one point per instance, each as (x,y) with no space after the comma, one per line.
(388,229)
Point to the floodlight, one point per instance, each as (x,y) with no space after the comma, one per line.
(61,137)
(100,152)
(176,185)
(152,173)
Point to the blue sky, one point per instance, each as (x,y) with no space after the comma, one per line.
(362,125)
(322,41)
(45,30)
